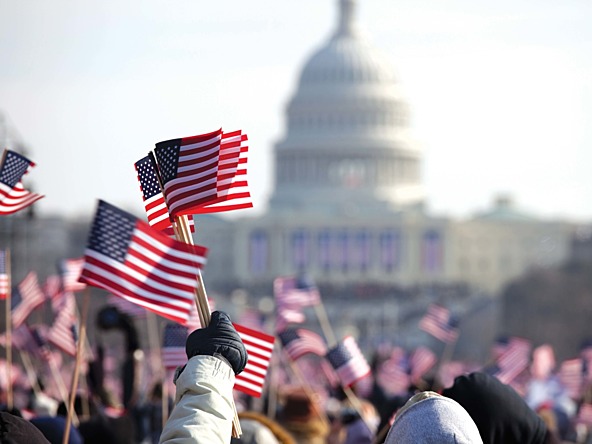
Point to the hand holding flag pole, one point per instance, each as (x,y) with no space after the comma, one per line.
(183,233)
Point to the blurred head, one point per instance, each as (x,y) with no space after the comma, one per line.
(428,418)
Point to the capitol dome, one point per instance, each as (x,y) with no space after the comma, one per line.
(347,143)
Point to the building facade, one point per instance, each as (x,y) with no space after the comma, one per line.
(348,201)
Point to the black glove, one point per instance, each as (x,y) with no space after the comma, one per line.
(218,339)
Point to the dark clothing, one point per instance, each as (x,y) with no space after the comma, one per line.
(16,430)
(501,415)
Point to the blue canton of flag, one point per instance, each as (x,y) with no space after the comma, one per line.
(348,361)
(147,174)
(14,168)
(154,204)
(439,323)
(298,342)
(168,158)
(131,260)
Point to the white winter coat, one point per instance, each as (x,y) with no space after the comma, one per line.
(203,409)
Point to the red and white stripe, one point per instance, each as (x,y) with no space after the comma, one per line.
(421,361)
(232,188)
(61,333)
(197,171)
(71,269)
(32,297)
(158,273)
(15,199)
(259,349)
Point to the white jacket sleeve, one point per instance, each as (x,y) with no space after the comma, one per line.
(203,411)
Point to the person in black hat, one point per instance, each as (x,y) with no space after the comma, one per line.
(501,415)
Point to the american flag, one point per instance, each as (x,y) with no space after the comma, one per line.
(13,196)
(22,339)
(438,322)
(292,292)
(514,360)
(63,332)
(154,203)
(60,299)
(252,318)
(70,270)
(298,342)
(131,260)
(173,345)
(40,342)
(422,359)
(571,376)
(286,316)
(52,286)
(392,374)
(28,296)
(4,278)
(189,170)
(259,350)
(348,361)
(232,189)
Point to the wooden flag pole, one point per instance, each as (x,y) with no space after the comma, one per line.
(57,376)
(355,401)
(81,340)
(164,395)
(30,371)
(183,233)
(9,395)
(308,391)
(325,324)
(332,341)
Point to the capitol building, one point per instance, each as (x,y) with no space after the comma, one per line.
(348,204)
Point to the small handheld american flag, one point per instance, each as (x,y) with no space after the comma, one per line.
(173,345)
(13,196)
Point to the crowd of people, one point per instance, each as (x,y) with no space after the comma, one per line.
(475,408)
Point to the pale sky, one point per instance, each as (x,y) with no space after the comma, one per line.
(500,91)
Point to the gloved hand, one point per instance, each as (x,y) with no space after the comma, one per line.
(218,339)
